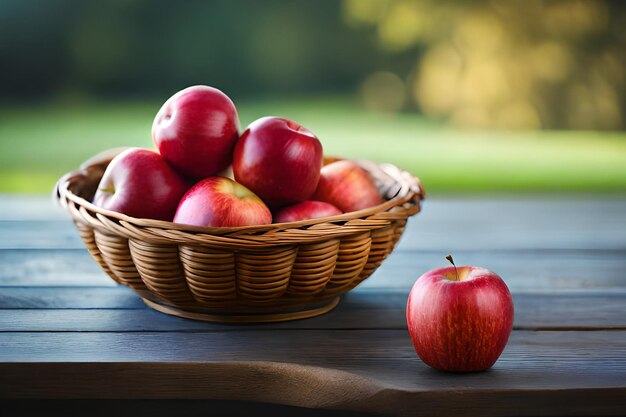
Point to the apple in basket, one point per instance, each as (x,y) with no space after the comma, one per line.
(347,186)
(139,183)
(305,210)
(196,130)
(221,202)
(279,160)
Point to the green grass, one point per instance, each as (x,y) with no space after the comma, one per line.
(39,144)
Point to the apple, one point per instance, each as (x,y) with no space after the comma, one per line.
(459,319)
(196,130)
(305,210)
(221,202)
(139,183)
(347,186)
(279,160)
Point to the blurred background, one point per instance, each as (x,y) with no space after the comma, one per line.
(480,96)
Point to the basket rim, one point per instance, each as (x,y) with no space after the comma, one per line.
(62,194)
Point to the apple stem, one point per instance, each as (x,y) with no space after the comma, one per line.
(449,258)
(109,190)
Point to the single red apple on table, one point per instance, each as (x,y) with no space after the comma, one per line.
(305,210)
(347,186)
(459,319)
(139,183)
(221,202)
(279,160)
(196,130)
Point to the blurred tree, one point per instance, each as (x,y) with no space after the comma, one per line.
(484,63)
(154,47)
(506,64)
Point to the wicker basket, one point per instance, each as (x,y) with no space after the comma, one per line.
(246,274)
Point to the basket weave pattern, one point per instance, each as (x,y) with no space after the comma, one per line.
(254,270)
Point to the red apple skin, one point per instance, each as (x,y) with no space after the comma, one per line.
(279,160)
(459,326)
(347,186)
(196,130)
(305,210)
(221,202)
(139,183)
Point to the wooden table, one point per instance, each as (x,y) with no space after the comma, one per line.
(68,332)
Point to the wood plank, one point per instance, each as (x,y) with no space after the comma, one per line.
(357,358)
(51,268)
(43,234)
(329,393)
(522,270)
(446,224)
(575,359)
(120,310)
(593,402)
(527,270)
(540,373)
(19,207)
(519,222)
(164,408)
(118,297)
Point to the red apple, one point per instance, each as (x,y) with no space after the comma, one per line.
(196,130)
(221,202)
(459,319)
(347,186)
(139,183)
(305,210)
(279,160)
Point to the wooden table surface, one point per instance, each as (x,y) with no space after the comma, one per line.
(68,332)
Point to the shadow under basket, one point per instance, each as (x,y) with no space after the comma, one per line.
(248,274)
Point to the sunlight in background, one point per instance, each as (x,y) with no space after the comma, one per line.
(500,64)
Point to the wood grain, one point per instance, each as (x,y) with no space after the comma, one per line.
(165,408)
(563,371)
(532,360)
(118,309)
(27,234)
(522,270)
(67,331)
(20,207)
(294,385)
(51,268)
(68,298)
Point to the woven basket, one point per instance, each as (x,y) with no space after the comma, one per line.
(245,274)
